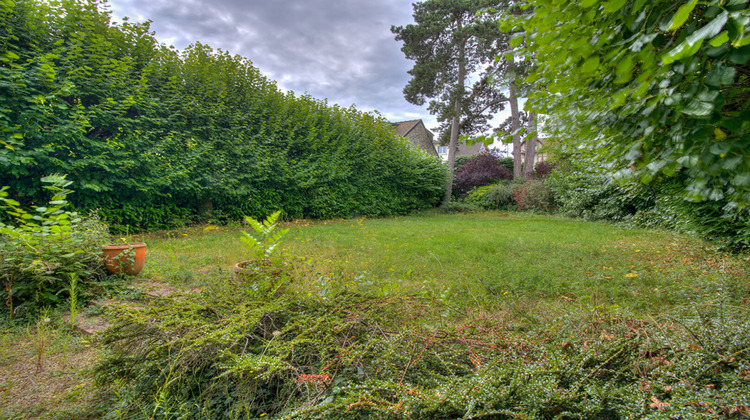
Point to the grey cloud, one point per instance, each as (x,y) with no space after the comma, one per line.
(341,50)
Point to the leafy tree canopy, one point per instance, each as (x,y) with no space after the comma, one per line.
(651,88)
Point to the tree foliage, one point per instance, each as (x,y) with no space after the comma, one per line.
(150,133)
(450,41)
(653,89)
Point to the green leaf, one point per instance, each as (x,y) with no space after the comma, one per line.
(587,3)
(741,42)
(685,49)
(742,179)
(591,64)
(682,14)
(720,149)
(624,69)
(614,5)
(721,75)
(710,30)
(720,39)
(739,56)
(699,109)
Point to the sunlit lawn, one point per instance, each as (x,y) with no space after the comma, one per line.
(483,260)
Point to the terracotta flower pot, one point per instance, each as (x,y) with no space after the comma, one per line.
(253,269)
(125,258)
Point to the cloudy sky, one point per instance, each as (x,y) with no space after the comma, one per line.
(340,50)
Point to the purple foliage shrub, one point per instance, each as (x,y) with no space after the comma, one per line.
(483,169)
(544,168)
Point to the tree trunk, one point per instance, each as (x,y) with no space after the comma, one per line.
(528,167)
(514,126)
(453,145)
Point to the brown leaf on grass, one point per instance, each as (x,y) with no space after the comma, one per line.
(658,405)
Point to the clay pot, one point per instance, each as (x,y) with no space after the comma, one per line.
(124,258)
(254,268)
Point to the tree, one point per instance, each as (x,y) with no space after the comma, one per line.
(653,89)
(451,42)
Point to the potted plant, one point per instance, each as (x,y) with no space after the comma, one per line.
(263,270)
(124,258)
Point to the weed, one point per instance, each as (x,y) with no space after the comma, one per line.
(41,337)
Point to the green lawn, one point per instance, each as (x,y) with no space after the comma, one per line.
(484,260)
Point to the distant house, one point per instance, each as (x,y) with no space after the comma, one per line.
(539,156)
(461,150)
(417,134)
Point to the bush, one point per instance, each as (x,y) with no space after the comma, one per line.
(507,163)
(498,196)
(543,169)
(659,204)
(481,170)
(43,249)
(533,195)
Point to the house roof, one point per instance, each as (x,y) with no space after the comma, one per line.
(404,127)
(407,129)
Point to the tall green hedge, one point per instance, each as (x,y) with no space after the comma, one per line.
(150,134)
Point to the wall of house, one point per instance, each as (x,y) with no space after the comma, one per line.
(419,137)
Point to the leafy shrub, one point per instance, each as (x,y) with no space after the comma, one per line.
(496,196)
(458,207)
(659,204)
(461,161)
(533,195)
(543,169)
(42,249)
(507,163)
(481,170)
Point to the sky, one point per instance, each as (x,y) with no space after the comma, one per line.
(340,50)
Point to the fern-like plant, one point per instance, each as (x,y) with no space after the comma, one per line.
(266,236)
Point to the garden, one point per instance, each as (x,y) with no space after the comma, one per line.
(299,263)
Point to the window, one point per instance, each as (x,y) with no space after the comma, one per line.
(442,150)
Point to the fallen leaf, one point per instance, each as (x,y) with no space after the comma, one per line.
(658,405)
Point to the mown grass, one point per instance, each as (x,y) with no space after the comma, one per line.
(487,260)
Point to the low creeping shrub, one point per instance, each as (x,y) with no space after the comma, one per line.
(225,354)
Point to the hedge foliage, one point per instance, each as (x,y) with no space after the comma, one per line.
(154,136)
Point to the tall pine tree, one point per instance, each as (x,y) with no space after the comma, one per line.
(452,43)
